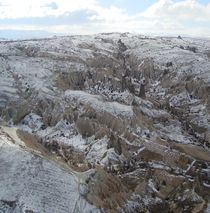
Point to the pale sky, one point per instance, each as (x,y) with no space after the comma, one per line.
(163,17)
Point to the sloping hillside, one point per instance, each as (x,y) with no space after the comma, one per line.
(133,108)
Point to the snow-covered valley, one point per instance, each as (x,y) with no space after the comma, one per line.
(123,120)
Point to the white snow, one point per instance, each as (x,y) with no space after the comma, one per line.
(32,122)
(173,132)
(97,151)
(76,141)
(98,103)
(112,157)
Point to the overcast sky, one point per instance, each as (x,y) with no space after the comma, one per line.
(184,17)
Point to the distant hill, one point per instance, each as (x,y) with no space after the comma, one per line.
(25,34)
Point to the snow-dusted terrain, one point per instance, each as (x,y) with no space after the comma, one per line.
(30,182)
(134,109)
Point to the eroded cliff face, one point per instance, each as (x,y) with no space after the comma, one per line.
(133,109)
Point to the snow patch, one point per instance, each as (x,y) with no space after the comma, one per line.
(99,104)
